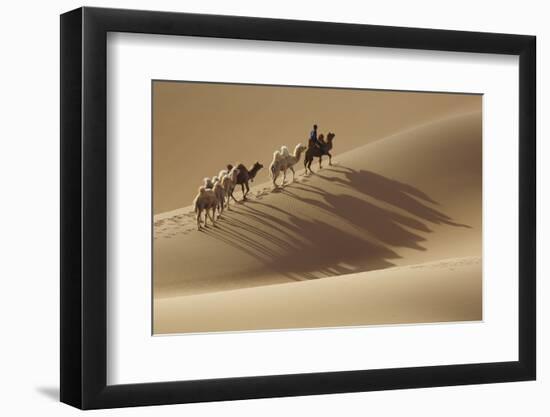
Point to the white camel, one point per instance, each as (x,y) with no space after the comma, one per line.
(229,182)
(219,191)
(206,201)
(283,161)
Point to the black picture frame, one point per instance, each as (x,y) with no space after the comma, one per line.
(84,207)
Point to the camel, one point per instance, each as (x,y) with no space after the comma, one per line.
(205,200)
(229,182)
(219,191)
(246,175)
(313,151)
(292,160)
(282,161)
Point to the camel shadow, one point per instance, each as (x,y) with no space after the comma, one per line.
(290,245)
(301,247)
(396,193)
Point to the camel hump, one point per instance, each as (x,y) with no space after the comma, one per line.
(208,182)
(241,167)
(276,155)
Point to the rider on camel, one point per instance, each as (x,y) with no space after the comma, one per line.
(315,140)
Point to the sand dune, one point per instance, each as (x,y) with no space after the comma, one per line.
(449,290)
(408,199)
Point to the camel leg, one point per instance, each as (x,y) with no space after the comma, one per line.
(247,190)
(320,159)
(205,217)
(228,198)
(329,158)
(293,173)
(274,178)
(213,215)
(284,177)
(198,219)
(232,196)
(244,194)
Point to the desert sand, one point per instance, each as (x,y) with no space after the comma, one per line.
(409,294)
(390,234)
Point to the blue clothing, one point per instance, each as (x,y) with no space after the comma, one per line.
(313,135)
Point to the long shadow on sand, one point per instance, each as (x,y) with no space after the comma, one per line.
(390,191)
(301,247)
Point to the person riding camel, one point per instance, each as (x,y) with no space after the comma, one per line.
(313,137)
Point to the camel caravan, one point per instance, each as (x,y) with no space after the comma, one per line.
(216,192)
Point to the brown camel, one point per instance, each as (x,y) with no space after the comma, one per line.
(314,151)
(245,175)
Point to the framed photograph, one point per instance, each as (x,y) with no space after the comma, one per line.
(258,208)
